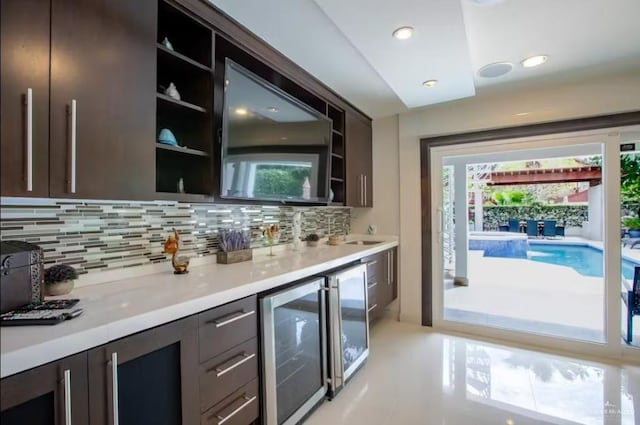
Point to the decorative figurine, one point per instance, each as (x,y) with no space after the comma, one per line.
(271,234)
(166,43)
(166,137)
(172,92)
(172,246)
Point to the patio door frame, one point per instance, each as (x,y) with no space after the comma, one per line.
(603,130)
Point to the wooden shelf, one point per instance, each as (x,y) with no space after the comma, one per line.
(186,151)
(182,103)
(183,58)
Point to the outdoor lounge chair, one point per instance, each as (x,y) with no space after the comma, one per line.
(532,228)
(548,228)
(631,242)
(632,300)
(514,225)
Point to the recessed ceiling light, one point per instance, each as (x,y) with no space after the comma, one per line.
(430,83)
(272,109)
(534,61)
(241,111)
(510,422)
(494,70)
(403,33)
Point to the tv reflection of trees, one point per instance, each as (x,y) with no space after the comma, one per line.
(280,180)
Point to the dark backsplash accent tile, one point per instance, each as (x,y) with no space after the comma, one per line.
(95,236)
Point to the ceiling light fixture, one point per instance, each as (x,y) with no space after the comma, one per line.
(430,83)
(272,109)
(241,111)
(403,33)
(522,114)
(532,61)
(494,70)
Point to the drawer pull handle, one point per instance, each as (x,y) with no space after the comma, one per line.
(29,140)
(221,370)
(226,320)
(371,308)
(223,419)
(372,263)
(372,285)
(67,395)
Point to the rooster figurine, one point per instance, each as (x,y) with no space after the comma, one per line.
(172,246)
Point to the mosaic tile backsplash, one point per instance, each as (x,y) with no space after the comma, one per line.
(95,235)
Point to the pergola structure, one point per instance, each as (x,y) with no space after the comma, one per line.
(591,174)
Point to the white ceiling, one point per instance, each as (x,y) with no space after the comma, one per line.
(347,44)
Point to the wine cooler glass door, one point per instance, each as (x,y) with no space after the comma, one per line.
(295,352)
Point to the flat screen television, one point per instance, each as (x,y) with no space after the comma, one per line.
(274,147)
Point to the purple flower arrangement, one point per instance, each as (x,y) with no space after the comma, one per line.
(59,273)
(234,240)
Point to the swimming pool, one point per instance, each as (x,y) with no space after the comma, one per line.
(586,260)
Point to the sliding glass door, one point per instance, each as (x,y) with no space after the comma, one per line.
(528,240)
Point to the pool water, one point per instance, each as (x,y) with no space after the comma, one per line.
(586,260)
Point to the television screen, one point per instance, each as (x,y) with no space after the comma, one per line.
(273,146)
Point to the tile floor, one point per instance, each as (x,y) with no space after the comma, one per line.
(415,376)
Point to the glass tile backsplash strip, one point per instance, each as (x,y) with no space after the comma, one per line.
(107,235)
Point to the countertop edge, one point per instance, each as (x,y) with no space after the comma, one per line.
(39,354)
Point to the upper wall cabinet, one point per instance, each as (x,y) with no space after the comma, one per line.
(103,94)
(24,98)
(359,162)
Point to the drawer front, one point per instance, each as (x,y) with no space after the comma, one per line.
(240,408)
(227,372)
(372,293)
(374,311)
(376,267)
(227,326)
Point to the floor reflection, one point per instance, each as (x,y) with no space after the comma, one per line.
(417,377)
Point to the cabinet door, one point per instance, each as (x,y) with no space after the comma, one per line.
(53,394)
(103,72)
(359,162)
(147,378)
(24,97)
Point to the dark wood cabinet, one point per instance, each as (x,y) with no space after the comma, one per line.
(150,377)
(24,98)
(382,281)
(47,395)
(103,94)
(359,161)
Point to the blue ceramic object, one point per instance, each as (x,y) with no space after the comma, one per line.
(166,137)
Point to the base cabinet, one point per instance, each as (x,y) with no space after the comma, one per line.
(53,394)
(382,282)
(148,378)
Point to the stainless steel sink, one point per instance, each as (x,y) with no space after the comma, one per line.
(364,242)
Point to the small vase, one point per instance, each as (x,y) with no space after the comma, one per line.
(58,288)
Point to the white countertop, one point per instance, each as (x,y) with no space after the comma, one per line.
(116,309)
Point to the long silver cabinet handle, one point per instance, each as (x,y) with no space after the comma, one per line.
(114,387)
(222,370)
(372,285)
(361,189)
(365,190)
(223,419)
(371,308)
(67,397)
(74,143)
(29,140)
(225,320)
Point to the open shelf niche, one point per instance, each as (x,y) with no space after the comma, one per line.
(337,154)
(187,63)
